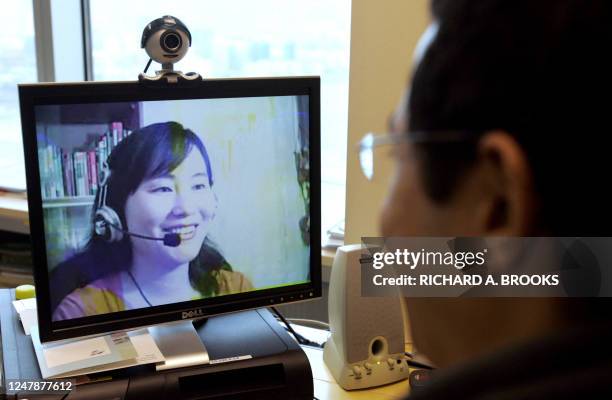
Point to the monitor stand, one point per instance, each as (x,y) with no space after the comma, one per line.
(180,344)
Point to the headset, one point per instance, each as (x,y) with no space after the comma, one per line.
(107,223)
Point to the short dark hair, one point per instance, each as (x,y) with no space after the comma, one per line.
(149,152)
(538,70)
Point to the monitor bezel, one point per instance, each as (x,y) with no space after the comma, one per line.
(32,95)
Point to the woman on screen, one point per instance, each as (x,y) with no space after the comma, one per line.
(152,216)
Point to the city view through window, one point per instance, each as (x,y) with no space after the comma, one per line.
(17,65)
(237,38)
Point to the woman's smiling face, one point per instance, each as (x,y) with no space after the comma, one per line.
(180,202)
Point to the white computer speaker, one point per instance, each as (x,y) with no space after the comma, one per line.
(366,346)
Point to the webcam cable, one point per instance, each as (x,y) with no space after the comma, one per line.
(299,338)
(147,67)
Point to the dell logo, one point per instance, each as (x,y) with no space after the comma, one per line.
(193,313)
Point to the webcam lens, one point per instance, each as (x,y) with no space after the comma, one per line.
(171,42)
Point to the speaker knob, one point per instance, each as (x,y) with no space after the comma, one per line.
(391,363)
(357,370)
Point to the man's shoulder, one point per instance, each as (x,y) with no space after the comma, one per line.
(574,365)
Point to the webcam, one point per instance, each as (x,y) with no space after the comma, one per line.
(166,41)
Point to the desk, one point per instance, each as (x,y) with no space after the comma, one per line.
(278,368)
(325,387)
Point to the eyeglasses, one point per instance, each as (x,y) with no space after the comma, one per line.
(372,140)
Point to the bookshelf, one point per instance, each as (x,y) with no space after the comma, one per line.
(74,141)
(74,172)
(76,201)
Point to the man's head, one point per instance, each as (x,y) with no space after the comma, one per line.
(529,81)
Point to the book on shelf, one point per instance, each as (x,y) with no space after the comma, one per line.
(117,129)
(50,171)
(101,152)
(80,173)
(68,174)
(92,171)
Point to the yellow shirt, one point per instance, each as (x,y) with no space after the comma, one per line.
(104,295)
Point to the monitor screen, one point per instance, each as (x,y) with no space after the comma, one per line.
(149,205)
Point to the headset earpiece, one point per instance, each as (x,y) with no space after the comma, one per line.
(107,224)
(106,221)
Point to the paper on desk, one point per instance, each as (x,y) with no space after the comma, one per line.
(92,355)
(76,352)
(24,304)
(29,318)
(118,350)
(145,346)
(26,309)
(126,350)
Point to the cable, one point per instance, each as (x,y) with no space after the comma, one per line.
(299,338)
(303,341)
(148,64)
(310,322)
(417,364)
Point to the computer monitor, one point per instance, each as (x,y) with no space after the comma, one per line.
(155,204)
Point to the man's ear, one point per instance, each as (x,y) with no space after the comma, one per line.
(509,200)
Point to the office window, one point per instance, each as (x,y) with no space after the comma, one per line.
(246,38)
(18,61)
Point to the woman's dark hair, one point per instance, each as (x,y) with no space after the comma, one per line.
(147,153)
(538,70)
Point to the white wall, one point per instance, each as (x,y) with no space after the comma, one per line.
(383,37)
(250,142)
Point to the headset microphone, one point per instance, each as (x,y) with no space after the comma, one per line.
(169,239)
(108,225)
